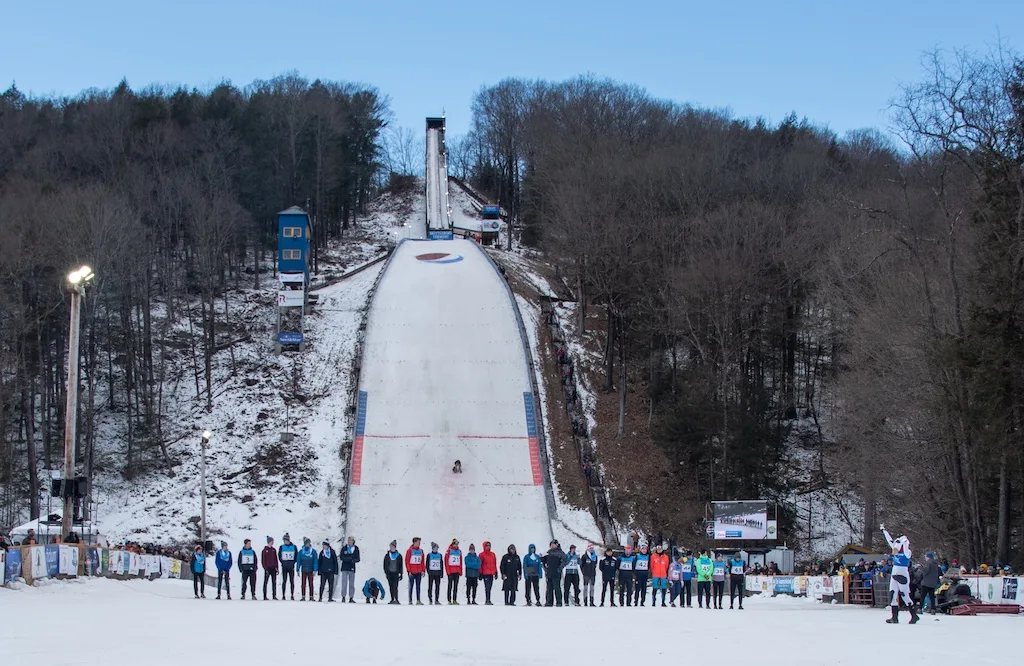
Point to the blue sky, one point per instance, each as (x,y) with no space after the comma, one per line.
(837,63)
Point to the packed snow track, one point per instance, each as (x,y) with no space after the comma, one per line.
(445,377)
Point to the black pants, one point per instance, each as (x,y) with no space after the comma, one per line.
(640,594)
(718,590)
(704,592)
(287,576)
(607,585)
(453,588)
(737,588)
(471,585)
(225,577)
(249,576)
(510,597)
(571,582)
(434,587)
(488,581)
(626,590)
(588,588)
(552,592)
(929,594)
(414,582)
(328,582)
(268,576)
(393,585)
(686,593)
(533,582)
(199,583)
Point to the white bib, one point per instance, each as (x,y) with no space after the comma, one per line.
(248,559)
(416,559)
(435,564)
(641,565)
(288,556)
(626,565)
(454,560)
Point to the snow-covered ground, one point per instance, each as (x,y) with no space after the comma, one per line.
(172,628)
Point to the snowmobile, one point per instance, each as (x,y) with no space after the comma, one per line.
(954,592)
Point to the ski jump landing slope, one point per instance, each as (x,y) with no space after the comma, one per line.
(444,377)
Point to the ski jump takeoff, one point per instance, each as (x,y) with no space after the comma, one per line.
(899,585)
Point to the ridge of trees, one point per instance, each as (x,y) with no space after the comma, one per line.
(779,284)
(171,195)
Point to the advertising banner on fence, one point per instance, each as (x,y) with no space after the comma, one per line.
(38,563)
(291,298)
(3,567)
(52,559)
(68,563)
(997,590)
(13,567)
(743,519)
(93,561)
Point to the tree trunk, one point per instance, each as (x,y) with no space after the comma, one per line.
(30,446)
(609,351)
(1003,520)
(622,377)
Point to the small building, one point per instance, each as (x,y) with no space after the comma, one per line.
(293,239)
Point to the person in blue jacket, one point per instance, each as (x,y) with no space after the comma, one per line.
(472,564)
(737,580)
(626,562)
(372,589)
(199,572)
(533,571)
(247,565)
(308,563)
(435,572)
(288,553)
(224,562)
(688,566)
(641,574)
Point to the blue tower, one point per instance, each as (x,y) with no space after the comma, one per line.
(293,240)
(293,233)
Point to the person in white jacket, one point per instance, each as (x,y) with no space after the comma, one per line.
(899,585)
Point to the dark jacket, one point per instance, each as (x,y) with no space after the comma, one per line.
(287,554)
(348,559)
(554,562)
(247,559)
(588,565)
(327,563)
(393,565)
(511,569)
(269,558)
(930,574)
(609,565)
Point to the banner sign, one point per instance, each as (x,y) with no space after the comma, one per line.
(52,559)
(996,590)
(291,278)
(3,567)
(440,235)
(67,562)
(93,561)
(773,530)
(13,566)
(745,519)
(289,338)
(38,562)
(785,585)
(291,298)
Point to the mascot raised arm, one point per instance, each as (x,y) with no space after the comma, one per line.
(899,586)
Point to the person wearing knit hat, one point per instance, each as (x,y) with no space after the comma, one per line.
(393,570)
(435,571)
(349,558)
(223,559)
(415,567)
(627,561)
(327,565)
(287,555)
(270,566)
(554,562)
(453,569)
(572,578)
(307,562)
(588,571)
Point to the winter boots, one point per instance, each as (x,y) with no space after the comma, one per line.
(895,619)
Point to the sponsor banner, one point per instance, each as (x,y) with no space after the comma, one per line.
(1011,588)
(3,567)
(773,530)
(176,568)
(996,590)
(785,585)
(291,278)
(286,338)
(743,519)
(52,559)
(67,562)
(440,235)
(291,298)
(92,556)
(12,568)
(133,563)
(37,563)
(165,567)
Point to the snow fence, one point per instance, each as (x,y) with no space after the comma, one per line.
(68,561)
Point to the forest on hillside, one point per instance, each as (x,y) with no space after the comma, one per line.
(768,287)
(171,196)
(776,285)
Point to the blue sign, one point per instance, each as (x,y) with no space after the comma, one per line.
(52,559)
(13,565)
(93,555)
(441,235)
(289,338)
(784,585)
(733,534)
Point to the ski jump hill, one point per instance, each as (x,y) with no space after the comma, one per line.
(445,377)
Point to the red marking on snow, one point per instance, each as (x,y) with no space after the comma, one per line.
(398,436)
(535,462)
(431,256)
(491,437)
(357,460)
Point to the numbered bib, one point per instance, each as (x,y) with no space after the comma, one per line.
(288,556)
(641,565)
(687,568)
(416,559)
(248,559)
(626,565)
(454,560)
(435,564)
(737,569)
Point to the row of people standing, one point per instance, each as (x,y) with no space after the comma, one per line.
(288,560)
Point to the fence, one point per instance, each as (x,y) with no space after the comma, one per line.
(68,561)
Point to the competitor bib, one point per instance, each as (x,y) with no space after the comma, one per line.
(248,559)
(454,560)
(737,568)
(416,559)
(434,564)
(626,566)
(288,556)
(641,565)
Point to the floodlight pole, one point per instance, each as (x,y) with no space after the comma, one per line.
(77,281)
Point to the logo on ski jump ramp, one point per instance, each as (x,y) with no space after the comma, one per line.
(439,258)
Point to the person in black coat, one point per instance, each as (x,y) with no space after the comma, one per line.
(327,564)
(511,570)
(393,570)
(929,581)
(609,567)
(349,559)
(554,561)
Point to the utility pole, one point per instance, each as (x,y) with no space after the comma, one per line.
(202,480)
(76,280)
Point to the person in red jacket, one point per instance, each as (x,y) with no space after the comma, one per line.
(269,559)
(453,569)
(488,570)
(415,566)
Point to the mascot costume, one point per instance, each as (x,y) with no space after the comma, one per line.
(899,585)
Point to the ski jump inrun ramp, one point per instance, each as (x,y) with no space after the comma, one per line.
(445,377)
